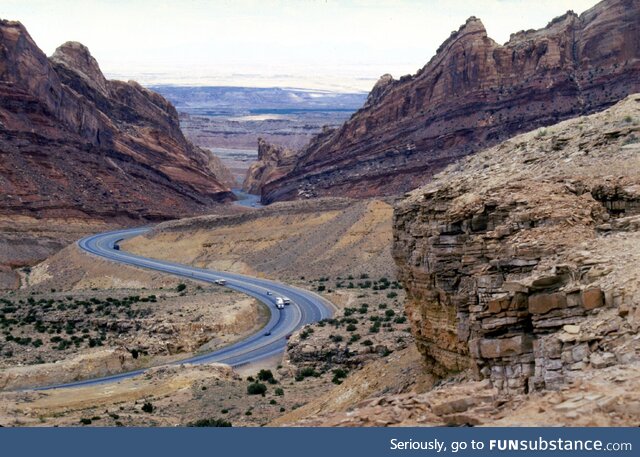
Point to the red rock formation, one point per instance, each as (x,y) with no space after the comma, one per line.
(75,144)
(273,162)
(519,262)
(472,94)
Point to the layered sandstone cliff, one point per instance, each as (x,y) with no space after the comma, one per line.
(273,162)
(473,93)
(521,262)
(73,144)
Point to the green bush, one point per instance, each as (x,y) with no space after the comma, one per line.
(338,375)
(306,372)
(279,391)
(85,421)
(209,423)
(367,343)
(392,295)
(265,375)
(351,328)
(148,407)
(180,287)
(256,388)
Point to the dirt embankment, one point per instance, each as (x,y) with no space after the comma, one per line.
(25,241)
(285,241)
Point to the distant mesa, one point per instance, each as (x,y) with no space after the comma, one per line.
(474,93)
(73,144)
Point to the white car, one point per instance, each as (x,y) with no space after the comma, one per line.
(221,282)
(287,301)
(269,292)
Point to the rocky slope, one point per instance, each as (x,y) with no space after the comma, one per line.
(474,93)
(321,238)
(521,262)
(73,144)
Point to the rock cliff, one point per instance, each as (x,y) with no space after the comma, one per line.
(473,93)
(271,164)
(73,144)
(521,262)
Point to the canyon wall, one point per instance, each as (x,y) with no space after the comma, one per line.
(521,262)
(473,93)
(74,144)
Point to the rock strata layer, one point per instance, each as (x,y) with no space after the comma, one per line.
(474,93)
(74,144)
(519,262)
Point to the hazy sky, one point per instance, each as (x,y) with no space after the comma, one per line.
(323,44)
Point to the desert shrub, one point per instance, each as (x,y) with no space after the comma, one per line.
(85,421)
(306,372)
(279,391)
(351,328)
(179,288)
(392,295)
(338,375)
(265,375)
(256,388)
(367,343)
(211,422)
(148,407)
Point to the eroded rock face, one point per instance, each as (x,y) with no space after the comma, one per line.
(75,144)
(516,260)
(270,165)
(474,93)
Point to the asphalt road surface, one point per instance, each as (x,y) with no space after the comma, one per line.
(306,307)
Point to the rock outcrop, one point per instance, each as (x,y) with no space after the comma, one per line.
(271,165)
(474,93)
(521,262)
(73,144)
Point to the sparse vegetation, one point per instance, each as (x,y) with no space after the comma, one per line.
(256,388)
(211,422)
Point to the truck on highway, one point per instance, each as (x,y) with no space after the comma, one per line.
(279,303)
(287,301)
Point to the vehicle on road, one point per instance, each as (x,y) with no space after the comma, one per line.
(248,350)
(287,301)
(279,301)
(280,305)
(269,292)
(116,247)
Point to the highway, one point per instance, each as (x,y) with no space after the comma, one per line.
(306,307)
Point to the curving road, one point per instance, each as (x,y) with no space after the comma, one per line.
(306,307)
